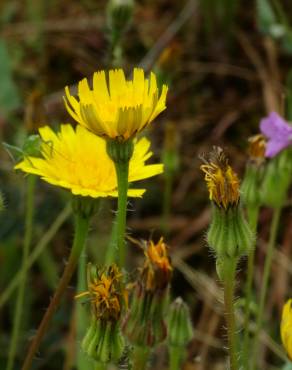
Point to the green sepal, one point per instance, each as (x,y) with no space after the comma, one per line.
(89,336)
(229,234)
(120,151)
(145,324)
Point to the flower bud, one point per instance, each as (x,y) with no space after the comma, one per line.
(251,185)
(180,332)
(145,323)
(276,180)
(119,14)
(229,234)
(180,329)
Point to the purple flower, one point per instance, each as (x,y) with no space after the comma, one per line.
(278,133)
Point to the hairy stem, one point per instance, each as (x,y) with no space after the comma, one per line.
(82,319)
(229,285)
(253,220)
(81,229)
(266,276)
(122,170)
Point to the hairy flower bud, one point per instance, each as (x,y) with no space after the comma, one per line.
(119,14)
(180,332)
(229,234)
(180,329)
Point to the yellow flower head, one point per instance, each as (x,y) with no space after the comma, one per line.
(286,328)
(222,181)
(116,108)
(157,269)
(77,160)
(257,148)
(106,292)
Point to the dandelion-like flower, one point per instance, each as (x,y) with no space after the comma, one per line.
(278,132)
(117,108)
(77,160)
(286,328)
(222,181)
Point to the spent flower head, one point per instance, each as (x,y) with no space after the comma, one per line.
(117,108)
(286,328)
(157,270)
(222,182)
(150,297)
(278,132)
(106,292)
(108,297)
(77,160)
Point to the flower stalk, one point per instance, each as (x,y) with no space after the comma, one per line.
(253,213)
(31,182)
(122,170)
(81,230)
(121,153)
(266,276)
(81,314)
(229,271)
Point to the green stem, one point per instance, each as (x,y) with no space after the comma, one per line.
(253,213)
(122,170)
(229,285)
(31,181)
(264,286)
(83,362)
(111,251)
(140,358)
(81,229)
(175,357)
